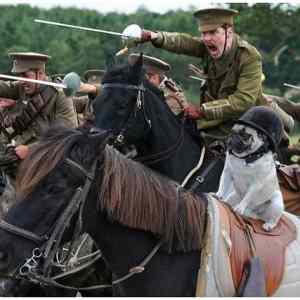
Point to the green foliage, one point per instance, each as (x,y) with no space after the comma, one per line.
(268,26)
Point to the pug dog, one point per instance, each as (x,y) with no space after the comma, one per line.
(249,181)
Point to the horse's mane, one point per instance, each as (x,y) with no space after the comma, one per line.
(129,193)
(43,157)
(137,197)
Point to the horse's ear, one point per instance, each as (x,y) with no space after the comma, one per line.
(136,69)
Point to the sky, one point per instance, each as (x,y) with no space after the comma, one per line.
(128,6)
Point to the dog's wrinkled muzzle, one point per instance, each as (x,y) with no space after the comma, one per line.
(237,144)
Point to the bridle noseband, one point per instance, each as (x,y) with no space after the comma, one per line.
(138,105)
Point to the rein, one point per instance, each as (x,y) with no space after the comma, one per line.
(44,255)
(140,104)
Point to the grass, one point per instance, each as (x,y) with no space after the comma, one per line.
(294,138)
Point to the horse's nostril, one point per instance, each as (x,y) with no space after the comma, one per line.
(4,259)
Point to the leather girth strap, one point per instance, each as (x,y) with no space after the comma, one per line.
(289,181)
(269,246)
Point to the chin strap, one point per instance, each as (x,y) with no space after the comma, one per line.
(250,158)
(226,36)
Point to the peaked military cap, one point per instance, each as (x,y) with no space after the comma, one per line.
(151,63)
(93,76)
(212,18)
(25,61)
(57,77)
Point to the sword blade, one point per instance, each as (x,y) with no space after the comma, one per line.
(197,78)
(292,86)
(79,27)
(59,85)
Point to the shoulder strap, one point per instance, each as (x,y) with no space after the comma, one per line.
(33,109)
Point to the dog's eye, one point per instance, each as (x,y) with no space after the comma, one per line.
(247,136)
(244,135)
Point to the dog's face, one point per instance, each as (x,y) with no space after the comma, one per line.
(244,140)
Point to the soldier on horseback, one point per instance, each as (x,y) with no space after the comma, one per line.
(28,107)
(232,68)
(34,105)
(156,70)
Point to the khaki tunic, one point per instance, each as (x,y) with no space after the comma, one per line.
(174,95)
(58,109)
(84,106)
(233,81)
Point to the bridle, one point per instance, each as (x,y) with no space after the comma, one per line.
(40,263)
(37,268)
(139,104)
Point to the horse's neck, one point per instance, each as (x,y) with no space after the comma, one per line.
(108,235)
(167,134)
(136,245)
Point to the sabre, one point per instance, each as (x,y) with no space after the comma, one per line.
(70,85)
(59,85)
(292,86)
(82,28)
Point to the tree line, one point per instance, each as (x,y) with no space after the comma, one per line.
(273,29)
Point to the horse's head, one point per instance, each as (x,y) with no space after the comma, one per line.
(124,105)
(51,186)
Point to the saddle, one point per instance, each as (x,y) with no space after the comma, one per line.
(268,246)
(289,181)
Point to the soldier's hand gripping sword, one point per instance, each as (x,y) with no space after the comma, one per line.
(131,36)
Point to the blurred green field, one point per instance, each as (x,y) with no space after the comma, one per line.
(294,138)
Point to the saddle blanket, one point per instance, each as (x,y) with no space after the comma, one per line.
(215,276)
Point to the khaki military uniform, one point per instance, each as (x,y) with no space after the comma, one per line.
(25,120)
(233,82)
(83,104)
(174,95)
(84,107)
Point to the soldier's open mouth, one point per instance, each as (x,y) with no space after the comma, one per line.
(212,48)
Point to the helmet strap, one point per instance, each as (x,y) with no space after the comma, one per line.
(226,37)
(250,158)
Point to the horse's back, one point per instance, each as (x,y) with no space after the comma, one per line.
(290,284)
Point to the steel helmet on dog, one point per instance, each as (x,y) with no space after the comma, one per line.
(266,121)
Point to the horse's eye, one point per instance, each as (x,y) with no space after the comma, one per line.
(4,260)
(123,105)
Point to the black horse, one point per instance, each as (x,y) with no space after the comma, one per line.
(146,226)
(150,230)
(137,113)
